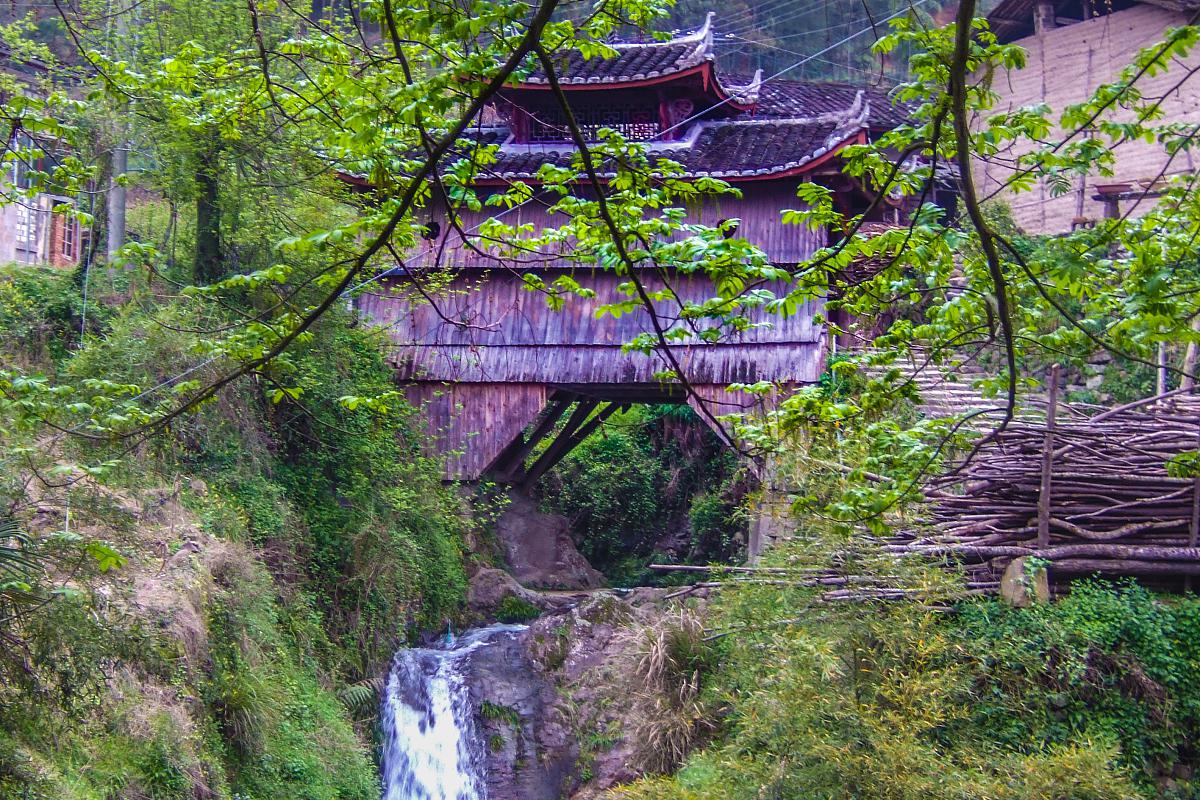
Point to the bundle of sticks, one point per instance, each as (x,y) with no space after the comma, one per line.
(1088,494)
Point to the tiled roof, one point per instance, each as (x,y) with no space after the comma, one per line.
(732,149)
(784,98)
(634,61)
(641,61)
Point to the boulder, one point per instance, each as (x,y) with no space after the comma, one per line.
(489,586)
(1023,584)
(539,549)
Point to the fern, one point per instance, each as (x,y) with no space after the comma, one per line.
(362,699)
(19,564)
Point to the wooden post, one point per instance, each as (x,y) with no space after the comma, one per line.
(1195,527)
(1160,383)
(1043,539)
(116,200)
(1044,17)
(115,239)
(1194,530)
(1188,380)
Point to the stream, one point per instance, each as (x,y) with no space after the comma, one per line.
(432,748)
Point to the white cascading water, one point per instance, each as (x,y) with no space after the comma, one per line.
(432,748)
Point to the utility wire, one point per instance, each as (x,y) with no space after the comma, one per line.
(692,118)
(796,65)
(509,210)
(775,21)
(755,15)
(742,41)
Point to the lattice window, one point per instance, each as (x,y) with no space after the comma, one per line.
(26,233)
(634,123)
(70,240)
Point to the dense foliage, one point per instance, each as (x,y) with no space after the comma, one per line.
(326,536)
(652,483)
(1090,697)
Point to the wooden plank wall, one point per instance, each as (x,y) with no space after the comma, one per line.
(483,354)
(509,334)
(759,210)
(470,423)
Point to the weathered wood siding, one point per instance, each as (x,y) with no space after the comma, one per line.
(483,354)
(510,334)
(759,210)
(470,423)
(1065,65)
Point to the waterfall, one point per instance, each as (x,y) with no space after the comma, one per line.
(432,748)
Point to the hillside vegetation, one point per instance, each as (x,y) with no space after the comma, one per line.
(260,563)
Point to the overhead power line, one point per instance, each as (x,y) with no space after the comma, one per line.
(776,76)
(757,14)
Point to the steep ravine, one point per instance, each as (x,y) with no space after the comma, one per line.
(536,711)
(541,712)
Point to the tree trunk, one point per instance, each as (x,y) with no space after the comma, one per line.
(1188,381)
(116,201)
(208,266)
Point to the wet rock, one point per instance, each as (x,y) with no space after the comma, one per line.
(489,587)
(531,751)
(539,549)
(554,703)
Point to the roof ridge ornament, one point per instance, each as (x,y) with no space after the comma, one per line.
(703,39)
(854,119)
(702,35)
(748,93)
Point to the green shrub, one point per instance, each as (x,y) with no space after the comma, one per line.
(649,473)
(40,311)
(1108,661)
(1091,697)
(516,609)
(499,713)
(285,735)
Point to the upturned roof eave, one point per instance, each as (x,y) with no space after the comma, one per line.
(705,70)
(792,169)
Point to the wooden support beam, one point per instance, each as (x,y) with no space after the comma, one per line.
(511,464)
(567,441)
(557,448)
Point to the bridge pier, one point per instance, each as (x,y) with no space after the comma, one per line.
(771,518)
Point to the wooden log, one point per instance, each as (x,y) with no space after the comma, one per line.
(1136,552)
(1127,566)
(1048,461)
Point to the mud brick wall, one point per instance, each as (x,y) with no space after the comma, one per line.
(1065,65)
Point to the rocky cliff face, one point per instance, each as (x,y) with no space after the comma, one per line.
(539,550)
(555,703)
(531,751)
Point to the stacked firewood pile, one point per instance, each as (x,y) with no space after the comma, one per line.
(1088,494)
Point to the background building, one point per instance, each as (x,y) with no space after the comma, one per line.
(1073,47)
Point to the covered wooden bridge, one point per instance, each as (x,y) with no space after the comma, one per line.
(497,370)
